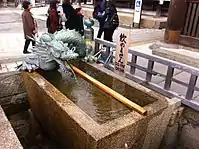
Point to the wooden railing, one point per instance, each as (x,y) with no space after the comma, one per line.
(190,32)
(168,78)
(191,27)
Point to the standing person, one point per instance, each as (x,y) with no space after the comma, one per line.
(71,16)
(99,14)
(80,28)
(54,24)
(111,22)
(29,26)
(62,17)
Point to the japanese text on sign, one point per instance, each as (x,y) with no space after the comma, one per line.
(120,64)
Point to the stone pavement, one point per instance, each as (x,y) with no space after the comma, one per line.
(137,34)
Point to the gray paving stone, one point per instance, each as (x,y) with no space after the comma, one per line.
(11,84)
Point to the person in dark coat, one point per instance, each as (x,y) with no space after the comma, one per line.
(111,22)
(71,15)
(99,15)
(80,28)
(54,17)
(29,25)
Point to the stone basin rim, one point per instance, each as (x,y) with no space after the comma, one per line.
(99,131)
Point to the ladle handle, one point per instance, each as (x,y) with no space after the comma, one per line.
(111,92)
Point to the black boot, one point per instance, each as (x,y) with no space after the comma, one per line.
(26,52)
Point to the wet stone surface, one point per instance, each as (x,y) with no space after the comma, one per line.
(29,132)
(100,106)
(11,85)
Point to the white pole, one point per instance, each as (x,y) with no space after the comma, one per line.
(33,3)
(137,11)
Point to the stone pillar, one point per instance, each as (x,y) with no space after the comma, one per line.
(158,11)
(175,21)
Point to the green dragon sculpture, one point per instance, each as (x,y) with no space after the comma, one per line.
(58,48)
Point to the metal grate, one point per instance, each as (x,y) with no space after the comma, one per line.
(150,72)
(191,27)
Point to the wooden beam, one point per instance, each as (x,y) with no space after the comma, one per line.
(189,41)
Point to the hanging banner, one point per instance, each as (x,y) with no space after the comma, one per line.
(121,56)
(137,11)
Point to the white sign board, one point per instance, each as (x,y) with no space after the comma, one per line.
(137,11)
(161,2)
(121,56)
(33,3)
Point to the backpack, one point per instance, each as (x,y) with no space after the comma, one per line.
(116,21)
(111,23)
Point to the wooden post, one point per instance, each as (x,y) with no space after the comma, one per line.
(121,56)
(175,21)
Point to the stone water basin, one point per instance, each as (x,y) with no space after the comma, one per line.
(78,115)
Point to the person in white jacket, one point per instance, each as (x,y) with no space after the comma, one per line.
(62,19)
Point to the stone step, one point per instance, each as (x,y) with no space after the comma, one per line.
(179,54)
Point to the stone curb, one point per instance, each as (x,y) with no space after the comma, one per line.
(8,138)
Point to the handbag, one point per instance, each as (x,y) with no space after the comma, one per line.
(63,18)
(109,23)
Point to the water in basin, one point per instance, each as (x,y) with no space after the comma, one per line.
(100,106)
